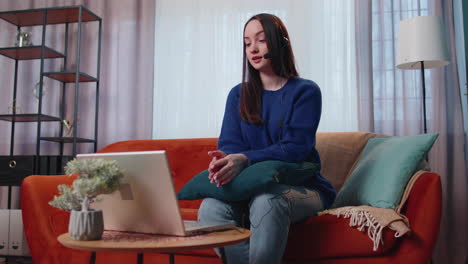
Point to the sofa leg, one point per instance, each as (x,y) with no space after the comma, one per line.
(223,255)
(92,258)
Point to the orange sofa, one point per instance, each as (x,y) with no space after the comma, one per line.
(322,239)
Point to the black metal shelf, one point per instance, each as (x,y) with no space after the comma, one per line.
(38,163)
(30,53)
(70,77)
(65,15)
(28,118)
(55,15)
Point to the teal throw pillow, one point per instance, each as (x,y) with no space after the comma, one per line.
(383,171)
(255,179)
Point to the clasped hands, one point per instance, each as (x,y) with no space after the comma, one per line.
(223,167)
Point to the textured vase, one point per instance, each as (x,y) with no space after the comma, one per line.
(86,225)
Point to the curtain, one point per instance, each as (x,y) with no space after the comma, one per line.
(397,110)
(460,31)
(397,94)
(198,59)
(448,156)
(126,79)
(364,70)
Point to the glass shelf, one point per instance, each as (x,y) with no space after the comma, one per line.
(58,15)
(30,53)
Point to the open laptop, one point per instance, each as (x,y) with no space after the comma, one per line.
(146,201)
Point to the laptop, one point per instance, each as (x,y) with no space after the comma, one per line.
(146,200)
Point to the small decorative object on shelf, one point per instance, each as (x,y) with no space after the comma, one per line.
(23,39)
(68,124)
(95,177)
(36,89)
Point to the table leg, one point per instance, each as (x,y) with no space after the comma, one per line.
(171,258)
(223,255)
(92,258)
(140,258)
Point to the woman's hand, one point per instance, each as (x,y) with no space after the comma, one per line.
(226,168)
(215,155)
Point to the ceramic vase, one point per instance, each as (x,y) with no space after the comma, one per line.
(86,225)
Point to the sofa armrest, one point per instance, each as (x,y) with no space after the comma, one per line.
(42,222)
(423,210)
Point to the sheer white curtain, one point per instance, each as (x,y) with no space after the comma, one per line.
(397,93)
(198,59)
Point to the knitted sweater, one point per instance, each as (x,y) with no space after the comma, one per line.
(290,119)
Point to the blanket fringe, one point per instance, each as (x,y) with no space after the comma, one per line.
(374,220)
(363,219)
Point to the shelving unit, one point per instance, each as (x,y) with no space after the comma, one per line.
(38,162)
(30,53)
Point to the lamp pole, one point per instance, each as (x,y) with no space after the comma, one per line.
(424,96)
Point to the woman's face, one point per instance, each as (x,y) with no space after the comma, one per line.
(256,46)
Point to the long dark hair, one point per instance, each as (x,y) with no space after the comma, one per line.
(282,61)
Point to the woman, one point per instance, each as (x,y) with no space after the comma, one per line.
(272,115)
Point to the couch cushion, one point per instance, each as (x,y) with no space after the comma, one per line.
(385,167)
(339,152)
(319,237)
(59,222)
(323,237)
(189,213)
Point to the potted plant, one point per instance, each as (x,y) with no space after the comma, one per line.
(95,177)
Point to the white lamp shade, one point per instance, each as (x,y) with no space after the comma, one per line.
(421,38)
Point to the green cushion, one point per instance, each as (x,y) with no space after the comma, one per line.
(383,170)
(255,179)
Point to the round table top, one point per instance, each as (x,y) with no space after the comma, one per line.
(139,242)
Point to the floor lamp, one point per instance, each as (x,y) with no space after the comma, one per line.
(422,45)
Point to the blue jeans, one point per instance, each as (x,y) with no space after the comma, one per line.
(269,215)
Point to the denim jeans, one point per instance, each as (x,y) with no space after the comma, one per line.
(268,215)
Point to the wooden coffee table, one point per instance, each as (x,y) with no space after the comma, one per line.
(114,241)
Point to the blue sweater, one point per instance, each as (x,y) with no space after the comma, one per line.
(290,119)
